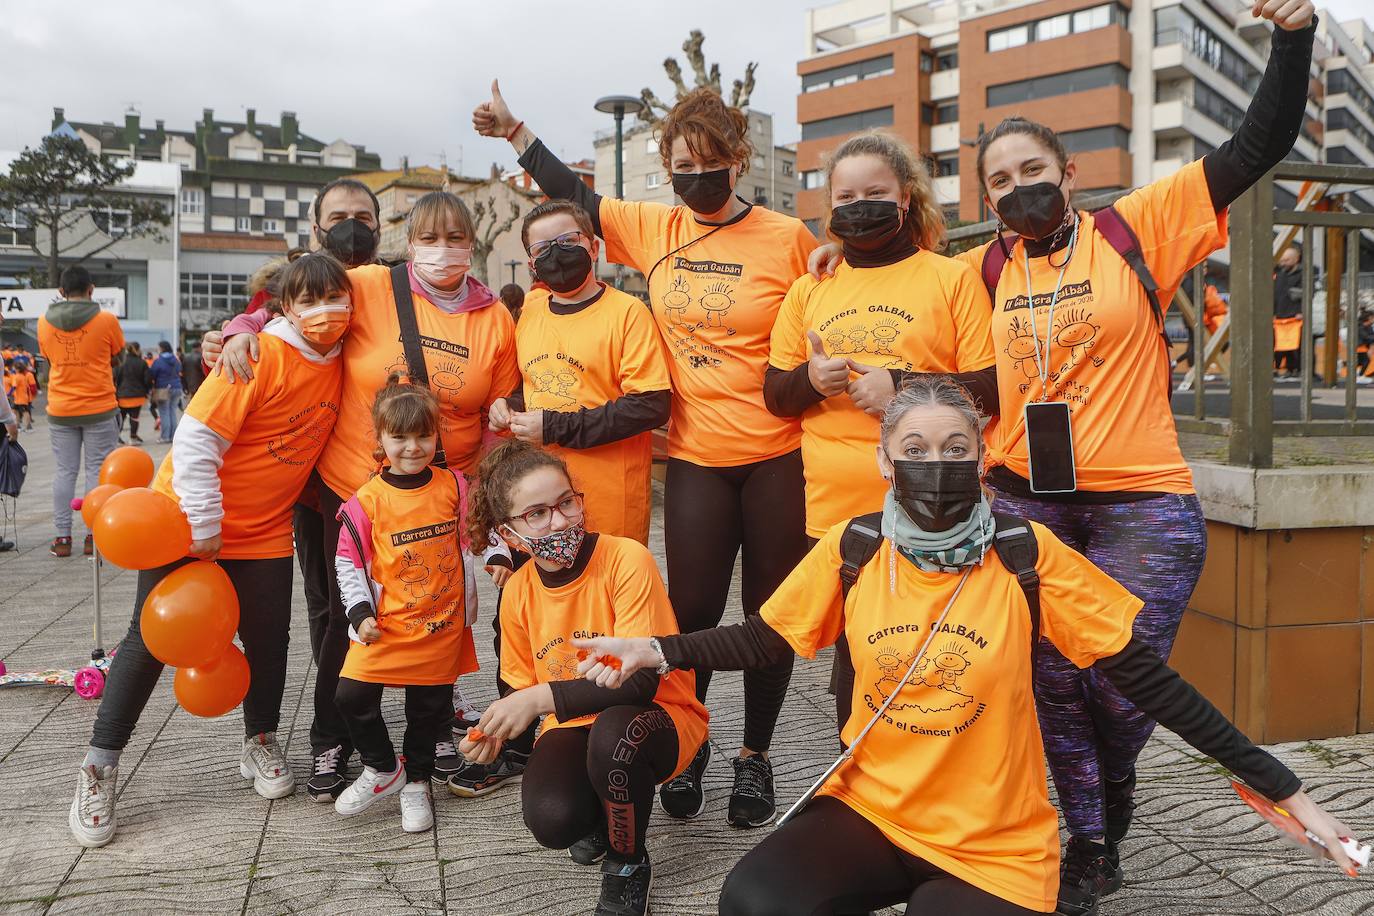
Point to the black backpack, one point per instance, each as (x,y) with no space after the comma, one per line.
(1013,540)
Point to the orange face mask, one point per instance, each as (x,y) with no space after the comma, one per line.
(325,323)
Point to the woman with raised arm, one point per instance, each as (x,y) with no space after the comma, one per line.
(717,269)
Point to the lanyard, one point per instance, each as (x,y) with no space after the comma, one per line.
(1042,362)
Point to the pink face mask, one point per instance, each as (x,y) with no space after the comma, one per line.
(440,266)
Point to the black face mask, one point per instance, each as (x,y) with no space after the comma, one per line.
(563,269)
(703,192)
(352,241)
(1033,211)
(867,225)
(936,495)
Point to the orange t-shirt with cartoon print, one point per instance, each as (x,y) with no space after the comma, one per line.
(620,593)
(471,361)
(954,773)
(1107,358)
(602,352)
(715,298)
(278,423)
(80,380)
(926,313)
(421,606)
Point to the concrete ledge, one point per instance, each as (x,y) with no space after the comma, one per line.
(1331,496)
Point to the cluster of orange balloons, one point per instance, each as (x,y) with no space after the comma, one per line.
(190,617)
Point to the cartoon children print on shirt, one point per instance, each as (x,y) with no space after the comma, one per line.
(869,336)
(699,298)
(303,442)
(1072,337)
(71,343)
(940,675)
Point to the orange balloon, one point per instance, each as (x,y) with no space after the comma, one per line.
(138,528)
(92,501)
(214,689)
(129,466)
(190,616)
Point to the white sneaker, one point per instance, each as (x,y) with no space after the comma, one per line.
(465,715)
(417,815)
(262,761)
(368,787)
(92,815)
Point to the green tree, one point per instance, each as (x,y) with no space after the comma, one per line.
(65,195)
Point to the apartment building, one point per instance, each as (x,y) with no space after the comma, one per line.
(1136,90)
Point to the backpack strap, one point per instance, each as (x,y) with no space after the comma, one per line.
(410,341)
(1018,550)
(858,544)
(995,258)
(1111,226)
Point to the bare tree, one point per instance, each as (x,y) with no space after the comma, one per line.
(702,75)
(489,225)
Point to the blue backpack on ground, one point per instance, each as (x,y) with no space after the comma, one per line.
(14,467)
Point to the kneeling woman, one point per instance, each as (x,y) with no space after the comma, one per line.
(589,784)
(944,803)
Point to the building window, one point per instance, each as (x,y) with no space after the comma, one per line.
(1217,107)
(1099,17)
(1344,119)
(849,73)
(1041,87)
(208,299)
(788,169)
(271,226)
(946,112)
(947,166)
(1083,141)
(307,158)
(927,62)
(758,127)
(111,221)
(1174,25)
(1343,82)
(1055,27)
(650,146)
(1050,28)
(243,224)
(847,124)
(812,179)
(787,202)
(653,180)
(1014,37)
(759,161)
(192,201)
(947,60)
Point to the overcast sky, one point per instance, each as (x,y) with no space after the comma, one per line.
(400,76)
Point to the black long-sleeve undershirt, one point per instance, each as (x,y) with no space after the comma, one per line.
(560,182)
(789,392)
(1137,671)
(587,427)
(579,697)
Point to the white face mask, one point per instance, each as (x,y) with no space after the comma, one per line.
(440,266)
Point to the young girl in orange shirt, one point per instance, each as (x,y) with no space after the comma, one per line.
(400,573)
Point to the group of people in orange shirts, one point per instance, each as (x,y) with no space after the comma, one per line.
(21,383)
(860,425)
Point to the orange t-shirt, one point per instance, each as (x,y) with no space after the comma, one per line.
(954,772)
(1107,361)
(10,381)
(715,301)
(620,593)
(583,360)
(471,362)
(25,387)
(278,422)
(417,559)
(927,313)
(80,382)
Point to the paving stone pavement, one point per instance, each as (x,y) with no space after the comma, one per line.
(193,836)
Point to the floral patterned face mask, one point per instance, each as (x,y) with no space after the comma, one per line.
(559,547)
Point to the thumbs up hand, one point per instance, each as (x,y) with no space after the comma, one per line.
(829,375)
(872,390)
(493,118)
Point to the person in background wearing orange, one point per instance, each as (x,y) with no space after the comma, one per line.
(589,785)
(468,343)
(1288,314)
(80,343)
(717,269)
(25,389)
(400,572)
(595,380)
(133,381)
(943,805)
(240,456)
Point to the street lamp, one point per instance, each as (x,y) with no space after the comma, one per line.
(512,264)
(619,105)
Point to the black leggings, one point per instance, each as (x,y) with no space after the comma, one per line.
(522,743)
(130,414)
(264,592)
(579,778)
(830,861)
(316,562)
(709,514)
(329,638)
(429,710)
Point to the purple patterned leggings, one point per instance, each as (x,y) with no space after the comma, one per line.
(1155,548)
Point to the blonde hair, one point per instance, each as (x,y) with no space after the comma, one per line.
(924,218)
(436,210)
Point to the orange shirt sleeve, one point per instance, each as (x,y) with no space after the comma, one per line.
(973,257)
(1175,223)
(788,346)
(505,371)
(972,312)
(632,230)
(640,599)
(807,610)
(643,364)
(517,655)
(224,407)
(1085,612)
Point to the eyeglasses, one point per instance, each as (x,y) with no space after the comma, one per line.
(540,518)
(567,241)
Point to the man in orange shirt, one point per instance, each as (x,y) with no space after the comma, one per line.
(80,343)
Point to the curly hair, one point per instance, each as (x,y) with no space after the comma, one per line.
(924,220)
(711,128)
(504,466)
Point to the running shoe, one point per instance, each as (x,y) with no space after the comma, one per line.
(92,815)
(417,814)
(447,763)
(61,547)
(625,888)
(327,780)
(1086,875)
(477,779)
(682,796)
(370,786)
(465,715)
(263,761)
(591,848)
(752,802)
(88,547)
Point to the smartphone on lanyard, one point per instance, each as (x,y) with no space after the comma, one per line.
(1049,447)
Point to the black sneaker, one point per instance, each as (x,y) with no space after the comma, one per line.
(1120,799)
(682,796)
(327,780)
(752,803)
(477,779)
(446,762)
(1086,875)
(625,888)
(591,848)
